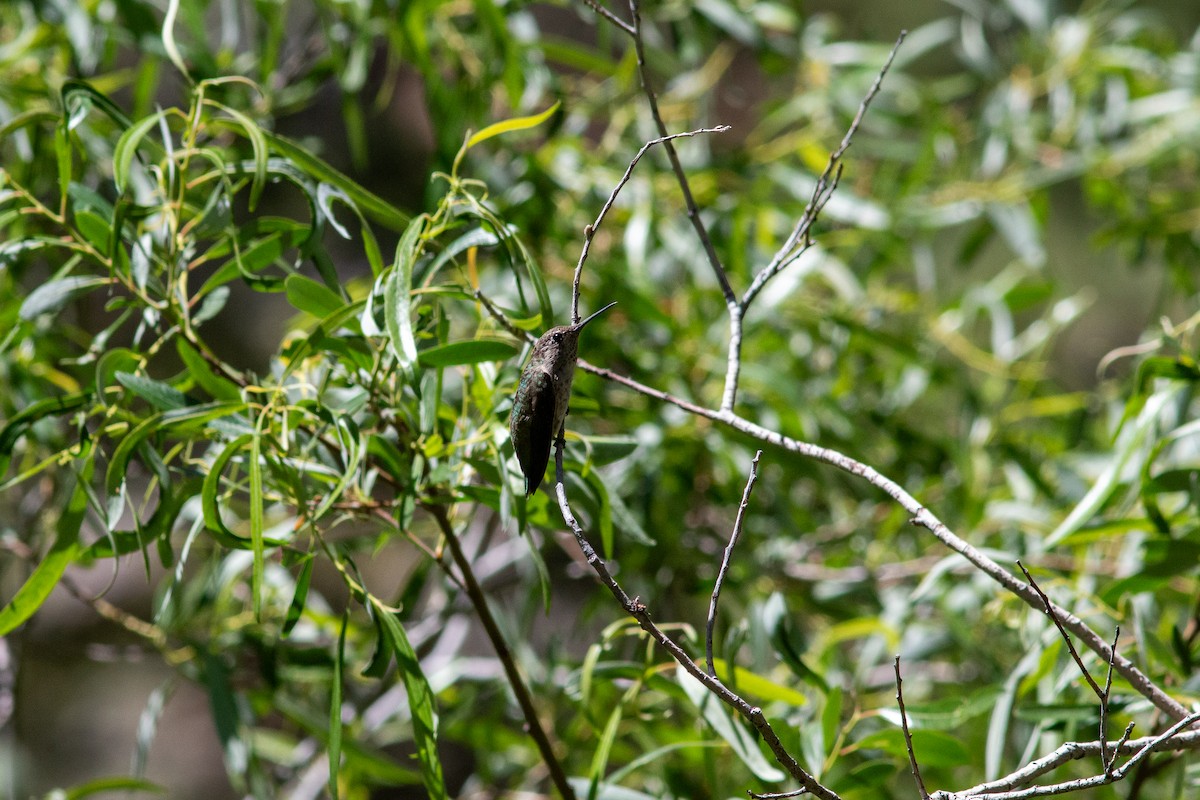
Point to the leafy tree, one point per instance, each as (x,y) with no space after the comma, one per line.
(842,384)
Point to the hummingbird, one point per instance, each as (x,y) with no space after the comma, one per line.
(540,404)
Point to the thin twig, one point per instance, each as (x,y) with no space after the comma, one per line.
(1104,698)
(799,240)
(516,681)
(777,795)
(610,16)
(590,231)
(1066,753)
(1050,612)
(738,522)
(693,211)
(638,610)
(995,790)
(908,744)
(921,517)
(826,184)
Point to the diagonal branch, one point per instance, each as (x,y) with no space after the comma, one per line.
(693,211)
(512,672)
(908,743)
(590,231)
(738,522)
(638,610)
(799,241)
(921,517)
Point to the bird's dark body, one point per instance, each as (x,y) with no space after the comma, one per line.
(540,404)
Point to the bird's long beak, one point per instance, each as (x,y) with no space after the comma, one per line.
(579,325)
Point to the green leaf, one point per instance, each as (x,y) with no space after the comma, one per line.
(371,204)
(420,700)
(208,498)
(224,708)
(126,148)
(473,351)
(510,125)
(63,552)
(311,297)
(160,395)
(933,748)
(758,687)
(95,229)
(49,298)
(258,143)
(254,466)
(744,744)
(117,783)
(20,422)
(397,302)
(199,370)
(296,608)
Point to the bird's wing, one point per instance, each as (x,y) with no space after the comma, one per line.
(534,456)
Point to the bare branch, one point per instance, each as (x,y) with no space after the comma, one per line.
(511,671)
(1050,612)
(921,517)
(590,231)
(908,744)
(725,559)
(641,613)
(693,211)
(1015,785)
(799,240)
(610,16)
(826,185)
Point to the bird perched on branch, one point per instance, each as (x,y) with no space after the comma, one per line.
(540,404)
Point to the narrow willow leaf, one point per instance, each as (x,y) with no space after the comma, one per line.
(420,701)
(160,395)
(509,125)
(258,143)
(474,351)
(45,577)
(208,498)
(118,465)
(49,298)
(218,386)
(756,686)
(224,707)
(371,204)
(79,97)
(95,229)
(20,422)
(126,148)
(115,784)
(311,297)
(735,735)
(300,596)
(254,466)
(397,301)
(1128,446)
(604,749)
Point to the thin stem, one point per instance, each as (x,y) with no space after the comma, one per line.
(738,522)
(638,610)
(912,755)
(799,240)
(515,680)
(921,517)
(590,231)
(610,16)
(693,211)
